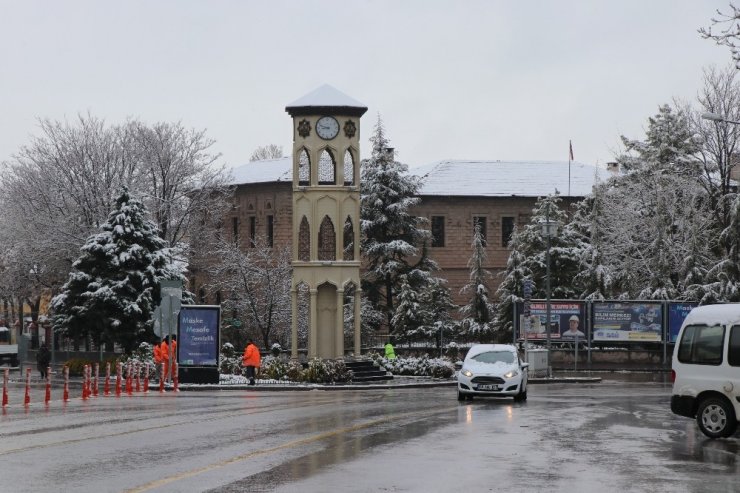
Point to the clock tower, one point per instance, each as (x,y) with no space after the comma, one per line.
(326,216)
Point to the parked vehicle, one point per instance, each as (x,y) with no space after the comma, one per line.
(492,370)
(8,351)
(706,369)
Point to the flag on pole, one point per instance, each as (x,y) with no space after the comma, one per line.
(570,151)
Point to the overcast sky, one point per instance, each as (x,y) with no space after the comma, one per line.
(509,80)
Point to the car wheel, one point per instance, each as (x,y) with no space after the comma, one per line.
(460,396)
(716,418)
(521,396)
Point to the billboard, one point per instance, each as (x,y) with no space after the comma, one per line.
(627,321)
(676,314)
(567,320)
(198,335)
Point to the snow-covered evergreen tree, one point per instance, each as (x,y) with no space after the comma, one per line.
(511,289)
(478,312)
(114,286)
(409,316)
(391,235)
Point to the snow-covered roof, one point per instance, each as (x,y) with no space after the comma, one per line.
(265,171)
(508,178)
(324,98)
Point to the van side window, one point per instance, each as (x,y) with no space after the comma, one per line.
(733,351)
(702,345)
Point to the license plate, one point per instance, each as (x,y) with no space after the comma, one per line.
(489,387)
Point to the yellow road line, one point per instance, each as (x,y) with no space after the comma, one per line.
(295,443)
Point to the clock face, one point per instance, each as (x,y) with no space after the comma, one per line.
(327,127)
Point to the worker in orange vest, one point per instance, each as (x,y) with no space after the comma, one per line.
(251,360)
(165,355)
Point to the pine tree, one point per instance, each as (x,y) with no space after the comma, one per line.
(409,316)
(478,312)
(114,285)
(391,235)
(510,291)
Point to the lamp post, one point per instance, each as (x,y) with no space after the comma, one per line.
(718,118)
(549,229)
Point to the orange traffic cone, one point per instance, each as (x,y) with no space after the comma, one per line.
(119,369)
(106,386)
(5,386)
(84,383)
(65,396)
(27,398)
(146,378)
(47,398)
(137,371)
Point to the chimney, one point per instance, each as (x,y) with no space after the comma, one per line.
(613,167)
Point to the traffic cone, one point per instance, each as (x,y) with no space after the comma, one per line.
(137,371)
(119,369)
(5,386)
(27,398)
(84,383)
(146,378)
(161,379)
(65,396)
(47,398)
(129,380)
(175,379)
(106,386)
(95,380)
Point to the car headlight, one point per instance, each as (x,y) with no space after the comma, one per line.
(467,373)
(511,374)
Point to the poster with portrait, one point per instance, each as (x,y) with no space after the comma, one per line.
(567,320)
(676,315)
(198,335)
(627,321)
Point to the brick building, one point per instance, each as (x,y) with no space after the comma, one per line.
(499,195)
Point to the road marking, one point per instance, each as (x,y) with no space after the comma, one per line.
(295,443)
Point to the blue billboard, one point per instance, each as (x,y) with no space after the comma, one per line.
(198,338)
(676,314)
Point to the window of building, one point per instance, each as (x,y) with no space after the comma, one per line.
(327,168)
(327,240)
(480,224)
(349,237)
(304,241)
(235,228)
(507,229)
(252,231)
(349,168)
(270,230)
(304,169)
(438,231)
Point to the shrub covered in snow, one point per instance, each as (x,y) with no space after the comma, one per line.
(141,355)
(230,361)
(275,349)
(419,367)
(327,371)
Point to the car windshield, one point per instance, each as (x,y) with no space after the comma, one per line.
(494,357)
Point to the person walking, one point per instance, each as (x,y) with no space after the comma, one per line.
(43,357)
(390,353)
(251,360)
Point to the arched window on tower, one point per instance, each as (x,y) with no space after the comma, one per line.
(349,168)
(304,241)
(349,240)
(327,168)
(304,169)
(327,240)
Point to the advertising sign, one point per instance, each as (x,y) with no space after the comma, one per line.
(198,335)
(627,321)
(567,320)
(676,314)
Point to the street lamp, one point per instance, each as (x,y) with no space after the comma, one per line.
(549,229)
(718,118)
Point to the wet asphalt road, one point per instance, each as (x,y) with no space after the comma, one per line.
(617,435)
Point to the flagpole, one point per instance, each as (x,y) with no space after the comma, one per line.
(570,158)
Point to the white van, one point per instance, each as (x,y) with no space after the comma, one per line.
(706,369)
